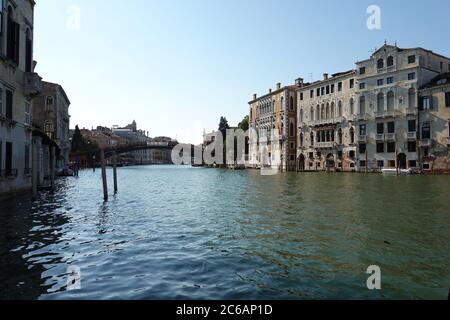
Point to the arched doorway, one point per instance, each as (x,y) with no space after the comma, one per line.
(301,163)
(401,160)
(330,162)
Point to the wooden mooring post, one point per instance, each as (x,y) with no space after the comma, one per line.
(114,158)
(34,170)
(105,184)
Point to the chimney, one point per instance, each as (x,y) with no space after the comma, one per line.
(325,76)
(270,90)
(255,96)
(278,86)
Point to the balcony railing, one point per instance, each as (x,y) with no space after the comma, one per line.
(386,113)
(32,84)
(412,135)
(390,136)
(326,145)
(380,137)
(8,173)
(425,143)
(327,121)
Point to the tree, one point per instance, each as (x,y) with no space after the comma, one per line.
(77,139)
(223,125)
(244,124)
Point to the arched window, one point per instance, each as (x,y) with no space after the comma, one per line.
(390,100)
(311,136)
(390,61)
(327,112)
(352,135)
(291,103)
(301,139)
(291,130)
(362,105)
(312,114)
(340,140)
(380,102)
(282,104)
(340,112)
(322,113)
(380,64)
(49,107)
(412,99)
(273,106)
(13,37)
(318,112)
(48,128)
(319,137)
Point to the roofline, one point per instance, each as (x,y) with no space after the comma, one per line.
(333,78)
(293,87)
(58,87)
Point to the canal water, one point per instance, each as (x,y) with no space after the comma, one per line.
(193,233)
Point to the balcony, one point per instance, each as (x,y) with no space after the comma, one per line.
(387,113)
(32,84)
(380,137)
(423,143)
(391,136)
(412,135)
(326,145)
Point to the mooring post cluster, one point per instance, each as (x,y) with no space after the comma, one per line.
(103,164)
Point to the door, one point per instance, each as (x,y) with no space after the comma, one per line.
(8,158)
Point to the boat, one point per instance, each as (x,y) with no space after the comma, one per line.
(65,172)
(394,171)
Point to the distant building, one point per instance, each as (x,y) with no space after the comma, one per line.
(51,115)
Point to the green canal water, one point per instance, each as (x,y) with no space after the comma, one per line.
(192,233)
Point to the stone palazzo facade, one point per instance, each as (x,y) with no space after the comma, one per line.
(391,111)
(273,120)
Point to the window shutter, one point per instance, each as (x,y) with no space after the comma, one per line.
(9,104)
(16,42)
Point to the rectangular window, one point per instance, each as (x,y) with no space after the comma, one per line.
(351,154)
(340,86)
(380,82)
(447,99)
(380,147)
(362,129)
(380,164)
(318,92)
(352,83)
(311,94)
(425,103)
(412,126)
(412,76)
(380,128)
(362,70)
(362,163)
(332,88)
(426,130)
(8,157)
(362,86)
(328,89)
(411,59)
(362,148)
(412,163)
(391,127)
(412,147)
(27,112)
(27,159)
(9,104)
(391,163)
(322,91)
(301,96)
(391,147)
(390,80)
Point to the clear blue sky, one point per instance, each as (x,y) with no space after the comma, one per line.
(176,66)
